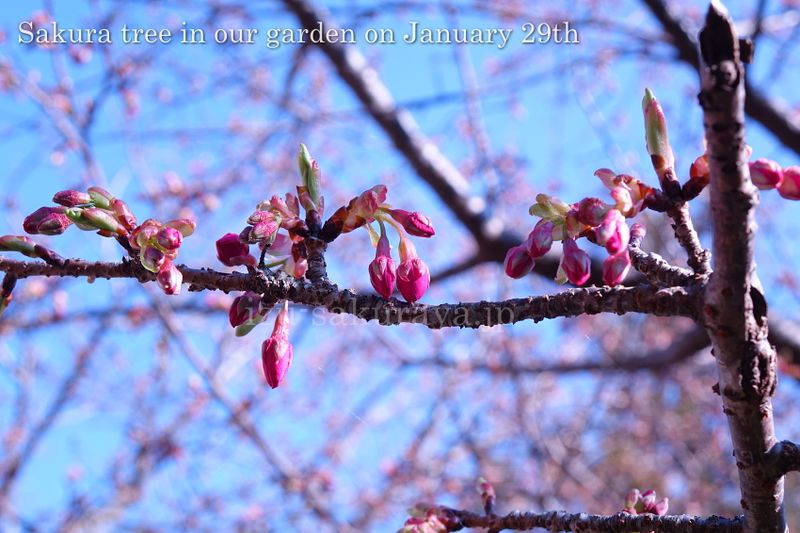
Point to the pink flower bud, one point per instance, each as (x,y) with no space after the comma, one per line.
(616,267)
(47,221)
(413,276)
(123,214)
(631,499)
(169,238)
(169,278)
(790,186)
(518,262)
(382,272)
(71,198)
(765,174)
(540,239)
(613,233)
(265,230)
(152,258)
(414,223)
(101,197)
(231,251)
(591,211)
(18,243)
(575,264)
(277,351)
(488,497)
(185,225)
(245,308)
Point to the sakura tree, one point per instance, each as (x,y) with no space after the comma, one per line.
(280,260)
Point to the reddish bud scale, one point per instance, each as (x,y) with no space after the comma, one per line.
(789,187)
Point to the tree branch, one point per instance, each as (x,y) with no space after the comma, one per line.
(673,301)
(735,311)
(784,457)
(563,521)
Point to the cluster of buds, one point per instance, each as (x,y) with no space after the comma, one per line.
(767,174)
(412,277)
(426,518)
(94,210)
(601,223)
(98,210)
(637,503)
(158,245)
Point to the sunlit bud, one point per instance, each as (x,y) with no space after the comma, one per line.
(310,176)
(414,223)
(169,238)
(615,268)
(231,251)
(648,500)
(71,198)
(790,186)
(591,211)
(101,197)
(143,234)
(277,351)
(622,197)
(245,308)
(101,219)
(518,262)
(540,239)
(169,278)
(361,209)
(265,229)
(765,174)
(413,276)
(631,499)
(151,258)
(47,221)
(655,125)
(18,243)
(613,233)
(486,490)
(382,272)
(549,207)
(123,214)
(575,265)
(185,225)
(699,170)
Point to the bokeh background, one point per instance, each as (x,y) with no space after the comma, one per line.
(123,409)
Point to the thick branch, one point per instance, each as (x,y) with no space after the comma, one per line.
(563,521)
(784,457)
(674,301)
(735,311)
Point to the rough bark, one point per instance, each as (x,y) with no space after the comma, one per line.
(735,312)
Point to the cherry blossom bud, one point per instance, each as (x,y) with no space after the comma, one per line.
(540,239)
(414,223)
(549,207)
(277,351)
(359,210)
(143,234)
(231,251)
(616,267)
(575,264)
(382,272)
(152,258)
(265,230)
(310,176)
(486,490)
(123,214)
(169,238)
(185,225)
(413,276)
(47,221)
(169,278)
(245,308)
(100,197)
(518,262)
(591,211)
(100,219)
(18,243)
(699,170)
(631,499)
(71,198)
(655,125)
(790,186)
(613,233)
(765,174)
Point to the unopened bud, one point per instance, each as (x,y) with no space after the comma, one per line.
(790,186)
(655,125)
(100,197)
(71,198)
(169,278)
